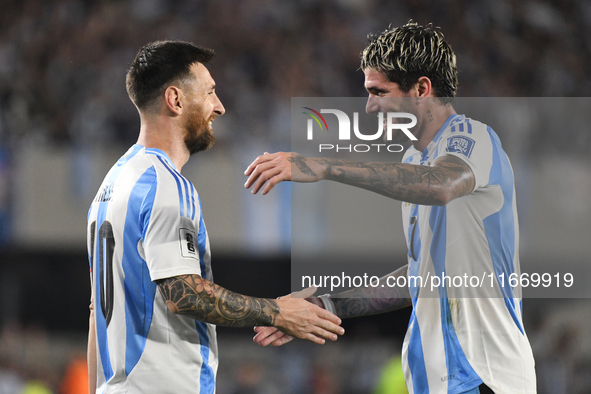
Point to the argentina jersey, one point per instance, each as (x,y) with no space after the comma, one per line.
(145,224)
(466,326)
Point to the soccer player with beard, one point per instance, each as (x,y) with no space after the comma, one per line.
(153,328)
(460,220)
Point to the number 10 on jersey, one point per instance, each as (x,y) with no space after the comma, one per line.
(106,248)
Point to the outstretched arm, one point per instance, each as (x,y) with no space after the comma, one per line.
(448,178)
(351,303)
(364,301)
(200,299)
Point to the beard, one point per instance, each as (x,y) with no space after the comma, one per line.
(402,105)
(406,105)
(198,136)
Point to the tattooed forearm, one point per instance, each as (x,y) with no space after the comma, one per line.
(354,307)
(300,162)
(372,300)
(448,178)
(203,300)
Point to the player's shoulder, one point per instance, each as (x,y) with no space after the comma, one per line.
(166,173)
(461,124)
(465,132)
(161,164)
(463,135)
(411,155)
(149,167)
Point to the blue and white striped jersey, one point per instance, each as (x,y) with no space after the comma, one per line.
(469,329)
(144,224)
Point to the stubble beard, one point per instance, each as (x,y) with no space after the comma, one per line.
(399,137)
(198,136)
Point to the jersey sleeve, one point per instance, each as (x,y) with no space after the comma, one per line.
(471,142)
(169,238)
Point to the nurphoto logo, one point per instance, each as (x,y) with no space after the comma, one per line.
(344,130)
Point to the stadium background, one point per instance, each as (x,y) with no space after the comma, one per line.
(65,118)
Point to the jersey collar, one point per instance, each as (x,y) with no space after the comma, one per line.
(158,152)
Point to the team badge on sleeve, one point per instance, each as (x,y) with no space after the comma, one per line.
(188,243)
(460,144)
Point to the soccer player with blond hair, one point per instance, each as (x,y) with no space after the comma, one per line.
(459,215)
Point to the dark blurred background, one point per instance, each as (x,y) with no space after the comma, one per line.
(65,118)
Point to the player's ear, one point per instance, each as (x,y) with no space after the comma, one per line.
(424,88)
(172,99)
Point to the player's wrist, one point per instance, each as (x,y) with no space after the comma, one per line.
(327,303)
(279,319)
(323,170)
(316,301)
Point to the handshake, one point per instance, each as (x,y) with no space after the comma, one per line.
(322,325)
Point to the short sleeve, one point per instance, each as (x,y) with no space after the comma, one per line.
(473,145)
(169,240)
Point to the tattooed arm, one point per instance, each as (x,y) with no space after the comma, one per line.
(449,177)
(357,302)
(365,301)
(200,299)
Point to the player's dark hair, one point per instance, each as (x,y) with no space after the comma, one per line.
(406,53)
(159,63)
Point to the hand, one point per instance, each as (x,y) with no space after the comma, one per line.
(270,336)
(274,337)
(281,166)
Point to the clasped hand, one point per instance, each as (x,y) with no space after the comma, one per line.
(315,326)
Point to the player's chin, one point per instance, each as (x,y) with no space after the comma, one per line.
(204,142)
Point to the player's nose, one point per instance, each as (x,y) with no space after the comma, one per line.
(372,106)
(218,107)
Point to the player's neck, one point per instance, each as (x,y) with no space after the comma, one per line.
(162,134)
(430,124)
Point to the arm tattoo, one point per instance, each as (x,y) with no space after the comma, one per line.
(200,299)
(300,162)
(354,307)
(449,178)
(372,300)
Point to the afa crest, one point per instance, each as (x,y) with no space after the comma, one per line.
(460,144)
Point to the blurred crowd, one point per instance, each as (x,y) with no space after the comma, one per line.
(34,361)
(62,62)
